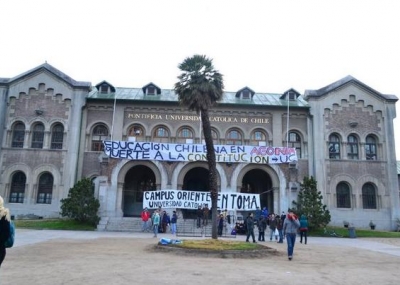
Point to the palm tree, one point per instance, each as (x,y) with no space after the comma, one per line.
(199,87)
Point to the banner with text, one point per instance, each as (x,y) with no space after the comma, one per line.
(184,199)
(198,152)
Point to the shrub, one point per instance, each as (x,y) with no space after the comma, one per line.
(81,205)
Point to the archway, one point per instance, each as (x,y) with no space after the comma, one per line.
(257,181)
(137,180)
(195,179)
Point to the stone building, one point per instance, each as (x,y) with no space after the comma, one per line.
(53,128)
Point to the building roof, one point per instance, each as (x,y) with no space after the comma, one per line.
(168,95)
(51,69)
(348,79)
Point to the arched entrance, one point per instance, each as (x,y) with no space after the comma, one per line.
(195,179)
(259,182)
(138,179)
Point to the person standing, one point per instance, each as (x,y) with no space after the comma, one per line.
(220,224)
(290,226)
(4,229)
(156,222)
(206,212)
(174,219)
(165,221)
(250,227)
(145,215)
(279,226)
(303,228)
(272,227)
(199,214)
(262,225)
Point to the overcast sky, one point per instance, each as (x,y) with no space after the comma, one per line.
(269,46)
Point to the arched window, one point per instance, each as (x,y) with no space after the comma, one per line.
(137,132)
(100,133)
(352,147)
(215,137)
(45,189)
(234,137)
(18,135)
(57,137)
(184,134)
(295,142)
(368,196)
(17,191)
(343,195)
(370,148)
(38,136)
(161,134)
(334,147)
(258,137)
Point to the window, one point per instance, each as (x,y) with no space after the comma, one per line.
(257,136)
(352,147)
(214,135)
(234,138)
(151,90)
(100,133)
(137,132)
(370,148)
(45,189)
(295,142)
(18,135)
(38,136)
(104,89)
(57,137)
(343,195)
(334,147)
(368,196)
(18,188)
(184,134)
(161,134)
(246,94)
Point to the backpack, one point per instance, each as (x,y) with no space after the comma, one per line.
(10,241)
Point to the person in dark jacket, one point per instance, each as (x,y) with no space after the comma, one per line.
(303,228)
(220,224)
(250,227)
(262,225)
(173,222)
(4,229)
(165,222)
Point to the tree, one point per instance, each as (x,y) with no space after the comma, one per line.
(81,205)
(199,87)
(309,203)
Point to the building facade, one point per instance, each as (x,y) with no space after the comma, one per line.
(53,128)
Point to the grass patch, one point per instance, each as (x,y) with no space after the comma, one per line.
(212,244)
(53,224)
(360,233)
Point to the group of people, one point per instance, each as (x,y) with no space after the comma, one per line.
(280,226)
(202,215)
(158,221)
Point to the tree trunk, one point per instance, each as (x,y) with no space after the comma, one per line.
(212,169)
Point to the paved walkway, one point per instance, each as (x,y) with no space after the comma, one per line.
(28,237)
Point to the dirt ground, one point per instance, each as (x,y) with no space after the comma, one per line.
(128,260)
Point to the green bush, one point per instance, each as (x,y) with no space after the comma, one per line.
(81,205)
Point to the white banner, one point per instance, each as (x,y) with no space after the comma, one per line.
(198,152)
(184,199)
